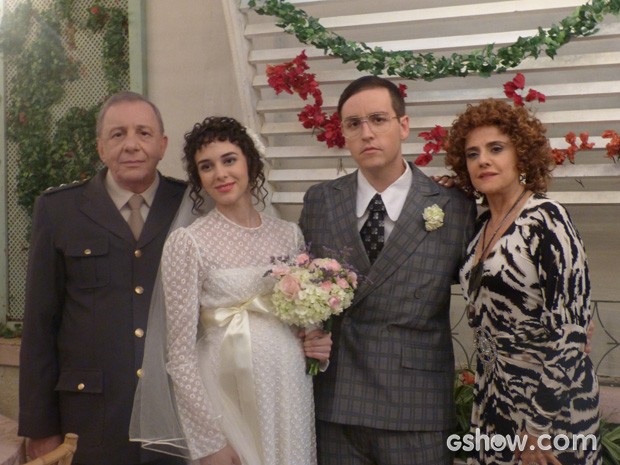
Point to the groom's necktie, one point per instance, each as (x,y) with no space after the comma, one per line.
(373,231)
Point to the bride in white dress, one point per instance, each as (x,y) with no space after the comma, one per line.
(237,373)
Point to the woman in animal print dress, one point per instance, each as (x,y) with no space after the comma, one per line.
(525,280)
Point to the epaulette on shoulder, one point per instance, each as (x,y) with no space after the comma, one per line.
(63,187)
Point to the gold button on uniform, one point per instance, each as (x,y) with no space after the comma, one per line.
(139,290)
(139,372)
(87,251)
(137,253)
(139,332)
(81,387)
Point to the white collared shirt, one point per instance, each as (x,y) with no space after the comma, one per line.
(120,196)
(393,198)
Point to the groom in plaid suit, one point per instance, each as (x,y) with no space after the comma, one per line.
(387,396)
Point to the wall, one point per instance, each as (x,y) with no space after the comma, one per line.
(189,69)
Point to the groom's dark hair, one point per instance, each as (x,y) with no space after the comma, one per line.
(373,82)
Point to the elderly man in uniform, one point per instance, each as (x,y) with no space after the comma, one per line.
(94,256)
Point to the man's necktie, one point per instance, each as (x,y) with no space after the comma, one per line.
(136,222)
(373,231)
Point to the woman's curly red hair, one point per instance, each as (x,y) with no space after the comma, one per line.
(524,130)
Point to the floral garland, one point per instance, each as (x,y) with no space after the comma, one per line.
(513,90)
(292,77)
(406,64)
(613,147)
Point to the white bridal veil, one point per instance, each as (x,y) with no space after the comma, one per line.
(154,420)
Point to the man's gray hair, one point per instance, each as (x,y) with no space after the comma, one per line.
(126,96)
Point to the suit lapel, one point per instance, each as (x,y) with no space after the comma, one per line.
(408,233)
(98,206)
(343,221)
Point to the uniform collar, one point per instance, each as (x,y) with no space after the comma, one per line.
(120,196)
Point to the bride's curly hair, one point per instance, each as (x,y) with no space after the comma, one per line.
(223,128)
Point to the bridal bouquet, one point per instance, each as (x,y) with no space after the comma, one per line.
(308,292)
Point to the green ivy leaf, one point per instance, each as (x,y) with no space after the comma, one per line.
(582,22)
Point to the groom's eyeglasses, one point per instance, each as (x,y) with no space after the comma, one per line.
(377,122)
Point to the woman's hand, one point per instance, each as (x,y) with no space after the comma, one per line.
(225,456)
(317,344)
(533,455)
(445,180)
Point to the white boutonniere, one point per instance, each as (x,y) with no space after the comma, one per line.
(433,217)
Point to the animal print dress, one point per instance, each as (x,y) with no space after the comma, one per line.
(530,320)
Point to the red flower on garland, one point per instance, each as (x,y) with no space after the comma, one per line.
(403,90)
(512,91)
(585,145)
(435,139)
(560,155)
(511,88)
(535,95)
(292,78)
(613,147)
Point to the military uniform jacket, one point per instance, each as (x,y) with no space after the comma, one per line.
(392,363)
(88,291)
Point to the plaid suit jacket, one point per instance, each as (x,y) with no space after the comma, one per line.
(392,363)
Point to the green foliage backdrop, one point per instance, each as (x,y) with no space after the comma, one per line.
(40,46)
(409,65)
(62,58)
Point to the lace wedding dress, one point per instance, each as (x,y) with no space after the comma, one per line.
(244,381)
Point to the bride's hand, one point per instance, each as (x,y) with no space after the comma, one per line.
(317,344)
(225,456)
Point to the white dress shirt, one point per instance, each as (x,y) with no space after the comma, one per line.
(393,198)
(120,196)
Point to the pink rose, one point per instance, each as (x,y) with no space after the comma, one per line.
(326,286)
(303,259)
(280,270)
(352,277)
(342,283)
(332,265)
(290,286)
(326,263)
(334,302)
